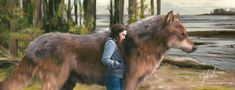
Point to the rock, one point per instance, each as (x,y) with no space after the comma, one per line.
(230,46)
(186,62)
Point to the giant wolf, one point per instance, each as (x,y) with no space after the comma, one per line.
(60,60)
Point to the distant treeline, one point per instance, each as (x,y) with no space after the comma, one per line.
(223,11)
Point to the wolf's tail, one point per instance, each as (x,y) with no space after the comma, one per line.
(20,76)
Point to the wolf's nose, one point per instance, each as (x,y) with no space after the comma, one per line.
(194,48)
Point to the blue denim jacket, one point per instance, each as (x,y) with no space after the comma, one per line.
(113,59)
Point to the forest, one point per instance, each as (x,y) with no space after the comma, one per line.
(23,20)
(223,11)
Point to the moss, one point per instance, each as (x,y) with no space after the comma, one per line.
(2,75)
(213,88)
(88,87)
(36,86)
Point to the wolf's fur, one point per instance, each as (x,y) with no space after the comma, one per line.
(61,60)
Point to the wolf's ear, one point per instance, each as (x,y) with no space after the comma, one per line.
(169,17)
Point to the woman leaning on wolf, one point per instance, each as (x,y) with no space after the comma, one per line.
(113,57)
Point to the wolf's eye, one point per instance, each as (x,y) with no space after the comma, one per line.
(182,34)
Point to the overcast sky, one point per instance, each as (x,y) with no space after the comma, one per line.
(184,7)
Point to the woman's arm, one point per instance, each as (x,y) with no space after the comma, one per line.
(109,49)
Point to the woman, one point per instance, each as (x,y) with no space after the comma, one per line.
(113,57)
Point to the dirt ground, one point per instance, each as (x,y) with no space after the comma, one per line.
(169,77)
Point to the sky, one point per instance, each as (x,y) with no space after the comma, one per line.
(184,7)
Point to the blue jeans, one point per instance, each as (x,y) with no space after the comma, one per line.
(113,83)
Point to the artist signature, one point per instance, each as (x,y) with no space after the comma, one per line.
(207,75)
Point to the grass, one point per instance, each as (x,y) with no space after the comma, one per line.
(167,76)
(213,88)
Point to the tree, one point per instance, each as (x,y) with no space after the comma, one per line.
(69,15)
(89,7)
(152,7)
(142,8)
(116,11)
(53,19)
(28,11)
(119,11)
(80,12)
(76,11)
(158,7)
(132,11)
(14,5)
(4,22)
(111,12)
(37,14)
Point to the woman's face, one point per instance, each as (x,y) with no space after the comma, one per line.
(122,36)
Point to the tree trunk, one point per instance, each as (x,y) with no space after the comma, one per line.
(89,14)
(80,12)
(94,14)
(69,16)
(37,13)
(152,7)
(142,8)
(158,7)
(118,13)
(53,18)
(111,12)
(45,16)
(27,9)
(50,7)
(76,11)
(132,11)
(12,41)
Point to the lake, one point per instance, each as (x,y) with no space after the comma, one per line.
(216,51)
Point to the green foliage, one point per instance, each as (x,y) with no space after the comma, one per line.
(54,21)
(4,38)
(83,30)
(5,70)
(28,10)
(21,22)
(55,24)
(26,34)
(133,16)
(4,23)
(143,7)
(139,11)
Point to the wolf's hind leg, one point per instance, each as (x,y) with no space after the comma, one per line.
(54,76)
(71,81)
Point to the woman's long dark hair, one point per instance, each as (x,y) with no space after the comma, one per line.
(115,30)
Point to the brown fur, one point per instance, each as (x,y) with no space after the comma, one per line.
(61,60)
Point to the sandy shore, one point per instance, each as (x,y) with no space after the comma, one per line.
(175,73)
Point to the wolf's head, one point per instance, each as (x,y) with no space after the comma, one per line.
(177,36)
(160,32)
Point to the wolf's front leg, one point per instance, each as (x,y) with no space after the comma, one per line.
(130,83)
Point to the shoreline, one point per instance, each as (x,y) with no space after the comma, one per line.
(212,33)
